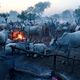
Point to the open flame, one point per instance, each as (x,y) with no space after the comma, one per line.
(18,36)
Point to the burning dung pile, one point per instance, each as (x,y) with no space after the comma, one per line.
(17,35)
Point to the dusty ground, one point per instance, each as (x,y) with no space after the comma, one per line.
(61,67)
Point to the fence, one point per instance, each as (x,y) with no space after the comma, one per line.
(58,61)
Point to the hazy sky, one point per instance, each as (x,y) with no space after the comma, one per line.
(56,5)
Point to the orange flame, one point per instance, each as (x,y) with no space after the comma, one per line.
(18,35)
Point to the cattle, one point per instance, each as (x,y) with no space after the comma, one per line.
(3,38)
(20,45)
(70,39)
(33,29)
(77,28)
(67,41)
(38,47)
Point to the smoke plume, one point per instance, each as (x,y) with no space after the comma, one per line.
(41,6)
(38,8)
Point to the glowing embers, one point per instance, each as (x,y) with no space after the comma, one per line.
(17,35)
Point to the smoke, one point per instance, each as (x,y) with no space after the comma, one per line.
(38,8)
(41,6)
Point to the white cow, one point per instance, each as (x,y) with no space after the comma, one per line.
(38,47)
(33,29)
(8,49)
(67,40)
(71,39)
(3,39)
(77,28)
(3,36)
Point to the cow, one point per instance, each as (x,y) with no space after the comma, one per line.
(3,38)
(66,41)
(38,47)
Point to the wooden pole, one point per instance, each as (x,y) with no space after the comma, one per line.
(54,66)
(73,65)
(11,72)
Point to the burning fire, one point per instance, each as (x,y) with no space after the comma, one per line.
(18,36)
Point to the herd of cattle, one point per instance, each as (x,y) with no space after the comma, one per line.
(69,40)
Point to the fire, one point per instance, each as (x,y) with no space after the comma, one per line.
(18,36)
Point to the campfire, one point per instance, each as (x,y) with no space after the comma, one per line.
(17,35)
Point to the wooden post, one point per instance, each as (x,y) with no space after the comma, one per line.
(68,56)
(13,50)
(45,52)
(55,57)
(54,66)
(11,72)
(73,62)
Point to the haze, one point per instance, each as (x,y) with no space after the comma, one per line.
(57,6)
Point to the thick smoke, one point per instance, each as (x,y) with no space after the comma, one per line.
(41,6)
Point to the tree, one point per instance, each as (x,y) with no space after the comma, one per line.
(77,15)
(22,16)
(28,15)
(3,15)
